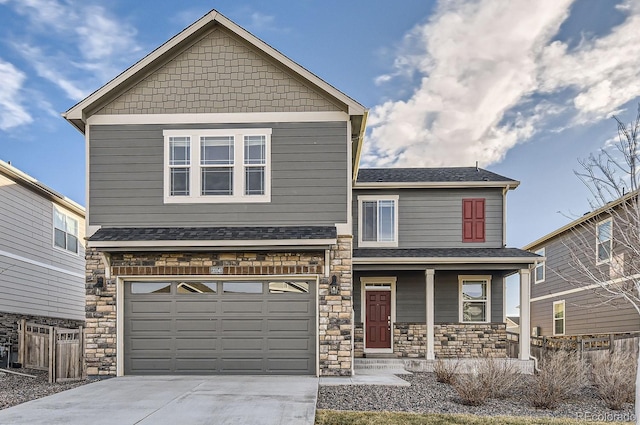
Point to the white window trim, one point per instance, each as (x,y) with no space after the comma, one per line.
(462,278)
(598,224)
(564,318)
(238,167)
(540,263)
(370,244)
(53,231)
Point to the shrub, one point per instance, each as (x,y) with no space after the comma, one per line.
(445,370)
(489,378)
(562,374)
(470,388)
(614,378)
(500,376)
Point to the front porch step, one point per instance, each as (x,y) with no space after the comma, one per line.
(387,365)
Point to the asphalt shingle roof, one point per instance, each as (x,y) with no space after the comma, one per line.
(441,253)
(431,175)
(122,234)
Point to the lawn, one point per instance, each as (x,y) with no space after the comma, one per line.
(333,417)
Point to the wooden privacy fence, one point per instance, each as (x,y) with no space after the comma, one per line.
(58,350)
(589,347)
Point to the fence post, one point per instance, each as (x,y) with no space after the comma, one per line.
(22,329)
(81,354)
(52,351)
(612,343)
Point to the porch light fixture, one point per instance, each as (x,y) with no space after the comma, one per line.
(333,286)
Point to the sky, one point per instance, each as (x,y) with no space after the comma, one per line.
(525,88)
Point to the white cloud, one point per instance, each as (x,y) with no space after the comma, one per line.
(87,38)
(480,65)
(12,113)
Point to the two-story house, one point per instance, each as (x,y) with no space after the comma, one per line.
(567,299)
(41,256)
(222,220)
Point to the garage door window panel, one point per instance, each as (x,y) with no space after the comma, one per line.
(150,287)
(242,287)
(288,287)
(197,288)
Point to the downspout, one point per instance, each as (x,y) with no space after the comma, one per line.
(504,215)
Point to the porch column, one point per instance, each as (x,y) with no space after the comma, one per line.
(525,316)
(430,354)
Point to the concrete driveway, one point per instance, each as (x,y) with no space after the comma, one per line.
(241,400)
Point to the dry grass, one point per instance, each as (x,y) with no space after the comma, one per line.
(490,378)
(614,377)
(562,374)
(332,417)
(445,370)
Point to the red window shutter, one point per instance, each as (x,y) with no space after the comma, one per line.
(473,220)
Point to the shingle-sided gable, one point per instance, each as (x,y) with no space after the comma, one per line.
(219,73)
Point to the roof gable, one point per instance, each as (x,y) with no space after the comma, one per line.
(115,97)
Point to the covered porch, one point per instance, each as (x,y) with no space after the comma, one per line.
(437,303)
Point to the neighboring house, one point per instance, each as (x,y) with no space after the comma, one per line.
(513,324)
(223,223)
(564,301)
(41,255)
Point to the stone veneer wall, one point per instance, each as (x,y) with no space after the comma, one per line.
(468,340)
(334,311)
(454,340)
(409,340)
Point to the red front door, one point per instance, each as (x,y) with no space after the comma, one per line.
(378,326)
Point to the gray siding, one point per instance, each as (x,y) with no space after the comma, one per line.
(585,311)
(446,288)
(585,315)
(308,185)
(219,73)
(432,218)
(411,295)
(37,278)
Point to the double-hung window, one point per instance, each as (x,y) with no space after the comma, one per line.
(217,166)
(65,231)
(378,221)
(604,241)
(539,271)
(475,299)
(558,317)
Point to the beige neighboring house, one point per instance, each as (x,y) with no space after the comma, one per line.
(41,256)
(563,301)
(513,324)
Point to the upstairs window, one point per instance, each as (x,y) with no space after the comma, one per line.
(539,271)
(65,231)
(217,166)
(378,223)
(604,241)
(473,220)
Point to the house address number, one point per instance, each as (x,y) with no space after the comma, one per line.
(216,270)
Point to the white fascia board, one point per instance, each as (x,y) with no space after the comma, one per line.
(212,243)
(218,118)
(585,288)
(444,260)
(26,180)
(580,220)
(435,185)
(76,112)
(354,107)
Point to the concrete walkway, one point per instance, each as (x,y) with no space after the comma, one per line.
(242,400)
